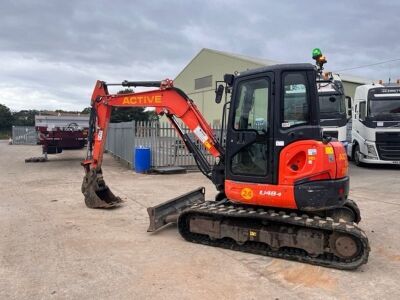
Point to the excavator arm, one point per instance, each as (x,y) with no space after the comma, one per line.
(167,100)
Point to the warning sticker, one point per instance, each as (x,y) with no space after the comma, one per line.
(207,144)
(201,135)
(252,233)
(100,135)
(329,150)
(312,151)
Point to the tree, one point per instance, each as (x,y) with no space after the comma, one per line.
(6,118)
(127,114)
(25,117)
(86,110)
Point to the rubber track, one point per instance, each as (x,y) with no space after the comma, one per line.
(227,210)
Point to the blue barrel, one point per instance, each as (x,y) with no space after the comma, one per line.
(142,159)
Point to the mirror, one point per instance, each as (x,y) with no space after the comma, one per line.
(218,93)
(228,79)
(348,106)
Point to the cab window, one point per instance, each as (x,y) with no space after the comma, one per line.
(252,108)
(296,110)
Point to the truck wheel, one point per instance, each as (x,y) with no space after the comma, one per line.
(356,156)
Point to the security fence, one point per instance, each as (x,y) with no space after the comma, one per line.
(165,145)
(24,135)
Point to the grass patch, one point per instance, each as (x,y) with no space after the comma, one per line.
(5,134)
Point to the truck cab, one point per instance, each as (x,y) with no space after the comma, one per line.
(332,105)
(375,137)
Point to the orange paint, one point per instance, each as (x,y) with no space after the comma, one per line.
(306,160)
(262,194)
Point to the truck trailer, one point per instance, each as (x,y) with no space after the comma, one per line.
(60,132)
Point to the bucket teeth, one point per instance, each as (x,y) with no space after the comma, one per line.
(97,193)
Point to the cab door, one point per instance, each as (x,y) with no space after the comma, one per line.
(297,111)
(249,132)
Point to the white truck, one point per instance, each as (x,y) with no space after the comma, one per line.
(333,106)
(375,134)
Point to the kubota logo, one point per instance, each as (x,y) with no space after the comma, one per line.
(246,193)
(142,100)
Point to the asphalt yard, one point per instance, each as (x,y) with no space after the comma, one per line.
(52,246)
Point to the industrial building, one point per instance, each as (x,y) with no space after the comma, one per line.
(198,78)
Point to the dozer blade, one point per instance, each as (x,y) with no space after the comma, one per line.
(97,193)
(168,212)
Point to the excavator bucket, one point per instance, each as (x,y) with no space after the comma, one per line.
(97,193)
(168,212)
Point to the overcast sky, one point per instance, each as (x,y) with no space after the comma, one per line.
(52,52)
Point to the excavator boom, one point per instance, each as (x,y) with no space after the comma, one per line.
(168,101)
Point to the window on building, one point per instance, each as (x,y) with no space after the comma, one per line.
(203,82)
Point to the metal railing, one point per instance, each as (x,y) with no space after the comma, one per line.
(24,135)
(165,145)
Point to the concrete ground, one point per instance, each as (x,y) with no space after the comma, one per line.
(52,246)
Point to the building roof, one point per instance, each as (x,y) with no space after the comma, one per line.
(260,61)
(355,79)
(267,62)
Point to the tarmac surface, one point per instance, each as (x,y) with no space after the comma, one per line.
(53,247)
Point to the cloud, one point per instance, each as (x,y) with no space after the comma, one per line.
(52,52)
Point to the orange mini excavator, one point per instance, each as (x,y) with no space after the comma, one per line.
(282,187)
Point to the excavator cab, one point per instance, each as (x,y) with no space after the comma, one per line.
(271,108)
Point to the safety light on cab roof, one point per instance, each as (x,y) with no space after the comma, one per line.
(320,59)
(316,53)
(318,56)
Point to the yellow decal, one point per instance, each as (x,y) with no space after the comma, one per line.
(246,193)
(342,156)
(252,233)
(141,100)
(207,144)
(328,150)
(311,158)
